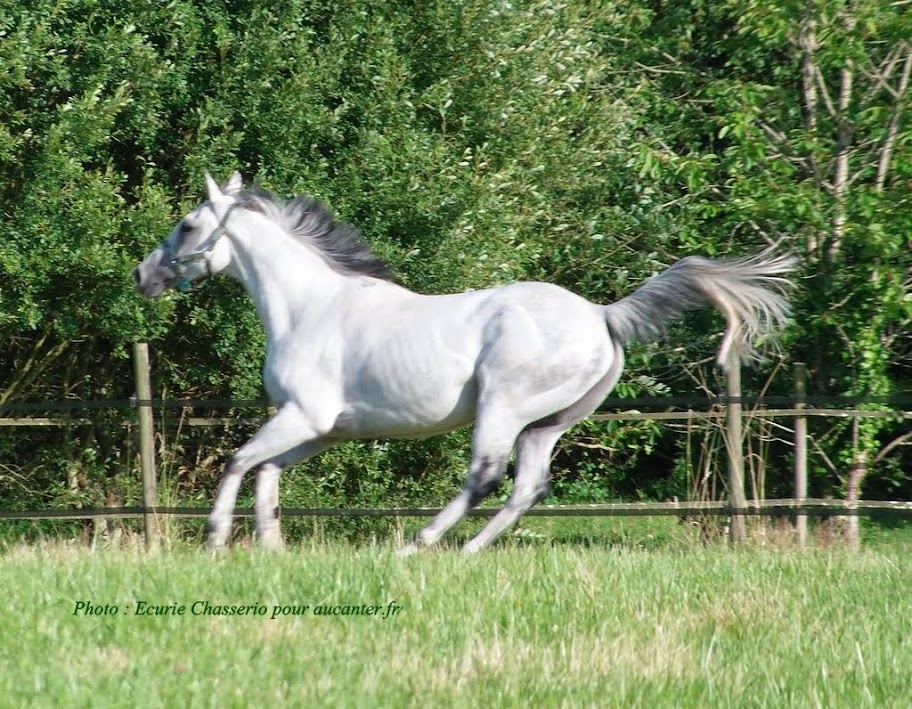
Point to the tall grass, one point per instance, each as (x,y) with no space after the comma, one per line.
(539,624)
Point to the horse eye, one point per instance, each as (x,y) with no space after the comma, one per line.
(183,230)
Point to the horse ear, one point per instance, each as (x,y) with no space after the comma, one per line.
(215,193)
(234,183)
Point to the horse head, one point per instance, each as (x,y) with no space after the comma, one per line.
(195,247)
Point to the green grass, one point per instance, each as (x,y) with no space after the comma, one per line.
(526,624)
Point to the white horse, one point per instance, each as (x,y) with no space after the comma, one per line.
(352,355)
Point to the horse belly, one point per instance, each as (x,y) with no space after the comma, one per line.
(408,391)
(411,411)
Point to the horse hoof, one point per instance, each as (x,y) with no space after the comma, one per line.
(271,544)
(408,550)
(216,547)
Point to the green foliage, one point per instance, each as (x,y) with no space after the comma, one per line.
(788,123)
(588,144)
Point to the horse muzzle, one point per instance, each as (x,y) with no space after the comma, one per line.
(153,280)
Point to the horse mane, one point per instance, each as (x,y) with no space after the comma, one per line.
(313,222)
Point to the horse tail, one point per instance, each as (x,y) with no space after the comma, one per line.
(750,293)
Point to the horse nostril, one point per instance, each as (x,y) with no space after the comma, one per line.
(136,276)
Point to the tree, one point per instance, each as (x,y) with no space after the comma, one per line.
(792,129)
(472,144)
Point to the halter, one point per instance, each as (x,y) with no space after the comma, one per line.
(178,263)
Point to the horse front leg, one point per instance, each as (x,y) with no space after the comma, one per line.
(219,525)
(530,485)
(266,506)
(287,432)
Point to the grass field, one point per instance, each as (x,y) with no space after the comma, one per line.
(526,624)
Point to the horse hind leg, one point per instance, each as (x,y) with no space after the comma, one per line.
(530,485)
(533,456)
(491,448)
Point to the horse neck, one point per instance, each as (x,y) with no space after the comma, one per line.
(288,282)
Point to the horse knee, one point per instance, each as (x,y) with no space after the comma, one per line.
(237,464)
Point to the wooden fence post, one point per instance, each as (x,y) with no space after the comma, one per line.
(734,445)
(143,377)
(801,481)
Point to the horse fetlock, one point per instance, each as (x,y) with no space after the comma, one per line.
(427,537)
(408,550)
(271,540)
(217,533)
(472,546)
(216,546)
(268,531)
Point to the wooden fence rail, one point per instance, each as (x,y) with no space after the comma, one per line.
(729,412)
(757,508)
(688,415)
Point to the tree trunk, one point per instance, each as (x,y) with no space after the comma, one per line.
(856,475)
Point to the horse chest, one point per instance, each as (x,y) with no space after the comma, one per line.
(295,370)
